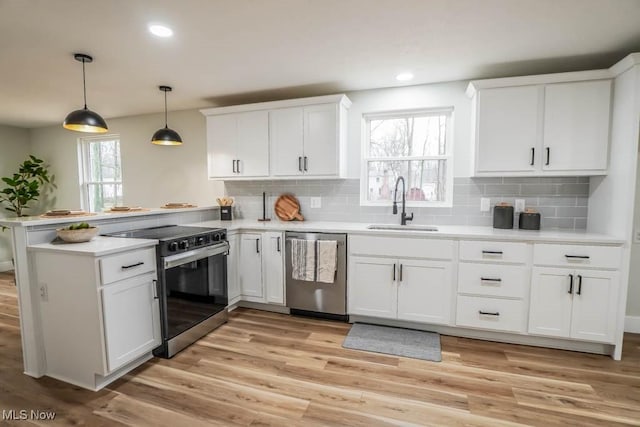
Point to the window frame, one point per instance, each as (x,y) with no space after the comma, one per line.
(83,170)
(448,157)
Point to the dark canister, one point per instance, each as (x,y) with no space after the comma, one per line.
(503,216)
(225,213)
(529,220)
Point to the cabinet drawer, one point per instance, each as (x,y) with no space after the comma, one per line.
(129,264)
(493,280)
(491,313)
(405,247)
(577,255)
(472,250)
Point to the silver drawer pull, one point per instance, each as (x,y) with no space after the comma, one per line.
(577,256)
(488,279)
(488,313)
(124,267)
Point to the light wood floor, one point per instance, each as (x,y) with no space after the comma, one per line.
(270,369)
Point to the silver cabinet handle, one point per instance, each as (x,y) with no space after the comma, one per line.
(233,162)
(155,289)
(394,272)
(489,313)
(577,256)
(488,279)
(306,163)
(238,165)
(257,245)
(278,244)
(401,272)
(300,163)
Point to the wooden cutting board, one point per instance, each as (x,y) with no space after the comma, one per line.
(287,208)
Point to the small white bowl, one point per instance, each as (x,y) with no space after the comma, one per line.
(77,236)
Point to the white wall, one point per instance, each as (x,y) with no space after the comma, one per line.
(152,175)
(14,149)
(633,297)
(451,94)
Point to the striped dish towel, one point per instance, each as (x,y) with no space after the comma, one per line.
(303,260)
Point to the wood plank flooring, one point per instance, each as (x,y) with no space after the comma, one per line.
(264,368)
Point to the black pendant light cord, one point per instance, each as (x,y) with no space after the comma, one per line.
(84,85)
(165,110)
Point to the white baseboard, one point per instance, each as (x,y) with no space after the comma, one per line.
(6,265)
(632,324)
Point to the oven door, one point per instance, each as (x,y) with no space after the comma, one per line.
(194,286)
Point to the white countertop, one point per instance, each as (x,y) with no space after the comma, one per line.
(99,246)
(39,220)
(444,231)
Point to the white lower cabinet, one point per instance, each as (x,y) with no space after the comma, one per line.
(131,319)
(94,331)
(233,279)
(273,263)
(577,304)
(401,288)
(260,267)
(250,267)
(372,287)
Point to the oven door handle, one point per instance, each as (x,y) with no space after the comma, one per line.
(195,255)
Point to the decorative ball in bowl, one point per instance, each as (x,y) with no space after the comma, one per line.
(77,233)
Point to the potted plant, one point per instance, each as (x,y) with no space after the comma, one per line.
(24,186)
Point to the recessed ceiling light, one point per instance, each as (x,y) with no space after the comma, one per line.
(404,77)
(160,30)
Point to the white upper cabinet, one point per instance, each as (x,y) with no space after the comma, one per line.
(576,125)
(507,129)
(305,141)
(238,145)
(287,134)
(551,125)
(298,138)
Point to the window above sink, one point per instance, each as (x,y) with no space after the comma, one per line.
(414,144)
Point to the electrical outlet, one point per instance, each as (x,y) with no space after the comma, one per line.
(519,205)
(485,204)
(44,292)
(316,202)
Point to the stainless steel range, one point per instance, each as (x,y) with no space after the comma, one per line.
(192,282)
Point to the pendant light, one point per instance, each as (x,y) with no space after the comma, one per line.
(166,136)
(84,120)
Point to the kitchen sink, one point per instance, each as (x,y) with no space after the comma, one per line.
(402,227)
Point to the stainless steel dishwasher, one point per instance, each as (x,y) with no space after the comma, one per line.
(328,300)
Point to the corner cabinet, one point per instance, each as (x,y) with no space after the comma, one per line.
(102,320)
(238,145)
(298,138)
(541,125)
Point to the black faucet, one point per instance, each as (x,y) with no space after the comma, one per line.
(403,216)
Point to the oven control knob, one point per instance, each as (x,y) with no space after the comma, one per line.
(223,236)
(184,244)
(200,241)
(216,237)
(173,246)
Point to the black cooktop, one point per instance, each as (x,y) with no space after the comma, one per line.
(167,232)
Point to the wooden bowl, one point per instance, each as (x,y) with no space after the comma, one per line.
(77,236)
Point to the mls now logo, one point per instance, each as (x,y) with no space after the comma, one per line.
(23,414)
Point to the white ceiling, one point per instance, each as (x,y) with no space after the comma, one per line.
(226,52)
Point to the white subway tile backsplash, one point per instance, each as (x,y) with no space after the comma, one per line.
(562,201)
